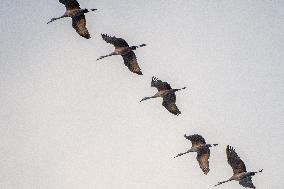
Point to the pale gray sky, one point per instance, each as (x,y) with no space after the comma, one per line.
(67,121)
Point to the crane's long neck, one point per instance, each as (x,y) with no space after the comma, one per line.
(210,145)
(253,173)
(175,90)
(136,47)
(83,11)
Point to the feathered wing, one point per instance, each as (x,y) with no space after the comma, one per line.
(196,140)
(169,103)
(117,42)
(247,182)
(70,4)
(130,61)
(79,24)
(235,161)
(160,85)
(203,159)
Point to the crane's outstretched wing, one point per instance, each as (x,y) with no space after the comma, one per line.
(169,103)
(70,4)
(79,24)
(235,161)
(160,85)
(196,140)
(117,42)
(247,182)
(130,61)
(203,159)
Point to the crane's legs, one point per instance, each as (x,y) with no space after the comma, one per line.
(146,98)
(180,154)
(219,183)
(111,54)
(53,19)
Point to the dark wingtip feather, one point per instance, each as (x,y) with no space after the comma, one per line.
(87,36)
(104,35)
(139,73)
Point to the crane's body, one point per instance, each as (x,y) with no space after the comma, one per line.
(166,92)
(74,11)
(239,170)
(122,48)
(203,152)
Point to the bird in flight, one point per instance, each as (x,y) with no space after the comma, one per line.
(203,151)
(74,11)
(239,169)
(122,48)
(167,93)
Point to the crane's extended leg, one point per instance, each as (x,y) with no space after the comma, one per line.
(219,183)
(111,54)
(53,19)
(180,154)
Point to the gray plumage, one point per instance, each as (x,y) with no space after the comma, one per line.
(167,93)
(122,48)
(239,169)
(203,151)
(74,11)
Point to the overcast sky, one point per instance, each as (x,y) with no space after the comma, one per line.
(69,122)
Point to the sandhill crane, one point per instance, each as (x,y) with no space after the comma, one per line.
(203,152)
(122,48)
(167,93)
(239,169)
(74,11)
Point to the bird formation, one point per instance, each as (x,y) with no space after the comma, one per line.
(165,91)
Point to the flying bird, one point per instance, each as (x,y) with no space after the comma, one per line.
(239,169)
(167,93)
(74,11)
(122,48)
(203,151)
